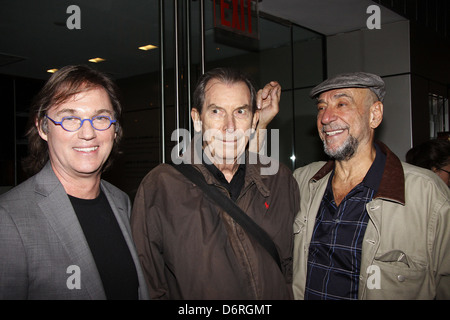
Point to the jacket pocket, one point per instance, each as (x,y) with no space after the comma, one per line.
(400,276)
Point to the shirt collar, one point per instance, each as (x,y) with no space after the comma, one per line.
(373,176)
(218,174)
(252,172)
(392,184)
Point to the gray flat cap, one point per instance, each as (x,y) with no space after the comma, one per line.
(352,80)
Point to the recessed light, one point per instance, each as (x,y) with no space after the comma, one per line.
(96,60)
(52,70)
(148,47)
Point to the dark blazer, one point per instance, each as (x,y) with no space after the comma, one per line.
(40,238)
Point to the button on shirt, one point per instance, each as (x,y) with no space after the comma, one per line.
(335,251)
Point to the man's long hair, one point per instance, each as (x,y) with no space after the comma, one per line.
(62,85)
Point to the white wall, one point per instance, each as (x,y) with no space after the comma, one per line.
(385,52)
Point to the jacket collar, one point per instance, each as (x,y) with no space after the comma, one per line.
(392,185)
(252,175)
(252,172)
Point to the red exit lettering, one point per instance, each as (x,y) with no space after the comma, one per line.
(236,9)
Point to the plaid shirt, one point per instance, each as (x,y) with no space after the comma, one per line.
(335,250)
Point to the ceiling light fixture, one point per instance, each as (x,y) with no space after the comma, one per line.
(52,70)
(96,60)
(148,47)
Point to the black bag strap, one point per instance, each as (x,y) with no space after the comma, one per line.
(231,208)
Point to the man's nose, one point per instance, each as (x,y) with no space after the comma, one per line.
(230,125)
(87,131)
(328,115)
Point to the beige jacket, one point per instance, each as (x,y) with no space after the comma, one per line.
(406,247)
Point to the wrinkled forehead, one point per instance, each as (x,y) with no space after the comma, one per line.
(214,82)
(220,90)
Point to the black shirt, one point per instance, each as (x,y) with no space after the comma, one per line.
(234,187)
(109,249)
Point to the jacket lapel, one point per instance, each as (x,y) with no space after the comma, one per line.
(392,185)
(122,215)
(316,192)
(58,210)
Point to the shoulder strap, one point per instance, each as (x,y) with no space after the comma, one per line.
(232,209)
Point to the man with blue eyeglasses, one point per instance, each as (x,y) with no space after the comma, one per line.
(72,123)
(64,232)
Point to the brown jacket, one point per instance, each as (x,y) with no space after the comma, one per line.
(191,249)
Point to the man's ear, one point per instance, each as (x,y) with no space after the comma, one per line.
(42,127)
(376,114)
(195,115)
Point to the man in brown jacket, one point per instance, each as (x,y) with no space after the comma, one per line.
(189,247)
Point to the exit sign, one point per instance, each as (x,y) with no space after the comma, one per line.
(238,18)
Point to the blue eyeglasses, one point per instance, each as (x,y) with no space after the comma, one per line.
(71,123)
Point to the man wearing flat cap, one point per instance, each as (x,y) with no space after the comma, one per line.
(369,225)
